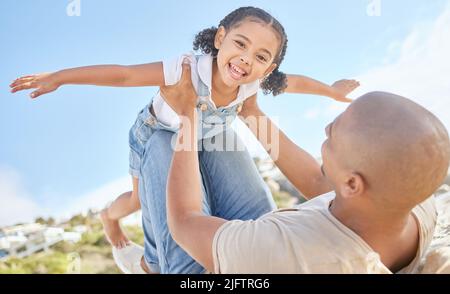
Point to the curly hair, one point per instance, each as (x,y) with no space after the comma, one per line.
(276,82)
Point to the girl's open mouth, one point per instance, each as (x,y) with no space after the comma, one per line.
(236,72)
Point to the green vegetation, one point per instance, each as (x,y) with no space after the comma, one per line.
(40,263)
(93,253)
(89,256)
(283,199)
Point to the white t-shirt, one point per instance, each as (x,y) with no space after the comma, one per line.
(308,239)
(199,70)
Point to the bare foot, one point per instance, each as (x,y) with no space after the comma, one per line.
(113,231)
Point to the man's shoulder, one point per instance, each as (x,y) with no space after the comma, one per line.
(293,240)
(298,218)
(317,203)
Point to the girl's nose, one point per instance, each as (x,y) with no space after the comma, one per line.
(244,59)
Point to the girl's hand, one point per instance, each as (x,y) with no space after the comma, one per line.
(342,88)
(43,83)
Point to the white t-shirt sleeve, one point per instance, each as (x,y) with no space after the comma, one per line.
(427,214)
(254,246)
(173,67)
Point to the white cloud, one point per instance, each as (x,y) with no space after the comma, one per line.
(419,71)
(17,205)
(99,197)
(312,113)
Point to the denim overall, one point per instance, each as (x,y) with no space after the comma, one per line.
(231,185)
(212,121)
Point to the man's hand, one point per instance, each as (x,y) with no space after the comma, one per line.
(189,226)
(342,88)
(181,96)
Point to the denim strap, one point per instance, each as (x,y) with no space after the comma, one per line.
(203,90)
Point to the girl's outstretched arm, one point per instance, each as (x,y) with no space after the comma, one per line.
(304,85)
(150,74)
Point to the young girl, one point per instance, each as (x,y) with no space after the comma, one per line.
(240,56)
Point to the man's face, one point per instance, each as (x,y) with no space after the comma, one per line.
(330,166)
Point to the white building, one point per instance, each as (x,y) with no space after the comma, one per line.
(80,229)
(24,240)
(73,237)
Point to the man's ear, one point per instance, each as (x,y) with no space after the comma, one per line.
(353,186)
(220,35)
(270,69)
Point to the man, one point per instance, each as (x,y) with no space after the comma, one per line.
(382,159)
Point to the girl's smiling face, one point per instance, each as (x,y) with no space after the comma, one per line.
(246,52)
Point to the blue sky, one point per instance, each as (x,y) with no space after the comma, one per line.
(65,145)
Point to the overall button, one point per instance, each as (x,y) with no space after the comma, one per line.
(203,107)
(239,108)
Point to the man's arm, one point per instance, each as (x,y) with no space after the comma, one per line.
(301,169)
(190,228)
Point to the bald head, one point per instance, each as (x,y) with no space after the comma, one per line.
(400,149)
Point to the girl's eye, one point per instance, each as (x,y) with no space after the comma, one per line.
(261,58)
(240,44)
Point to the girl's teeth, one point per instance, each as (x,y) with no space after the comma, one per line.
(237,69)
(236,72)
